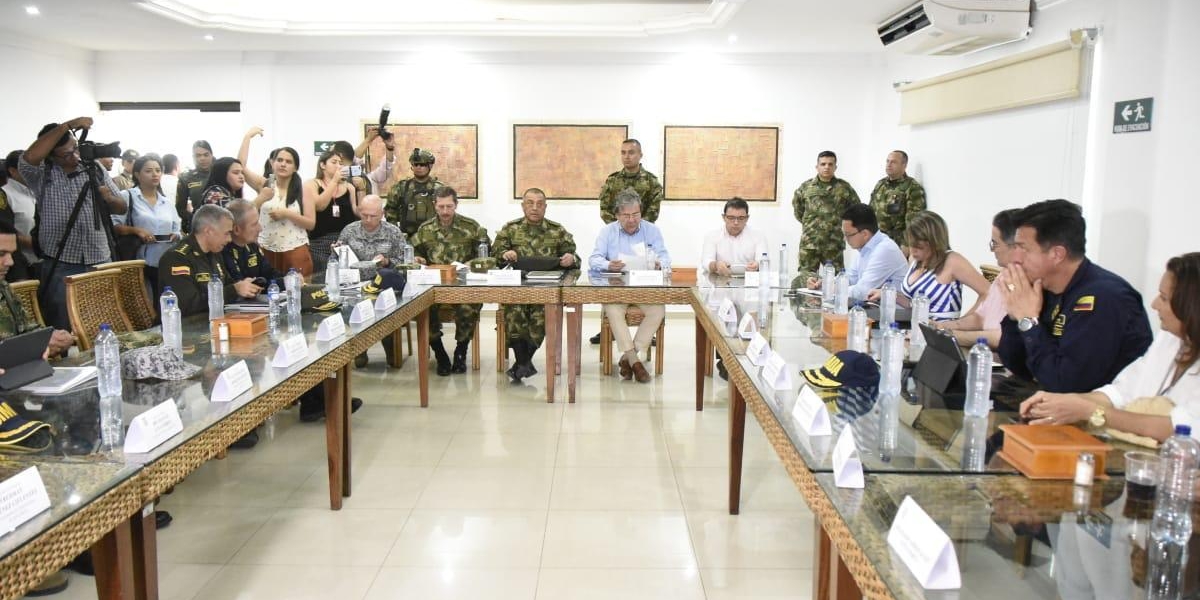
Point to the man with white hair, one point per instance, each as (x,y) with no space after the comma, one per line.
(372,240)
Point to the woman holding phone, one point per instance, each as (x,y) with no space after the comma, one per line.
(336,204)
(288,214)
(151,216)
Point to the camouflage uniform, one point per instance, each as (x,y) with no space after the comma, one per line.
(13,320)
(546,238)
(441,246)
(124,181)
(895,203)
(191,187)
(643,182)
(819,206)
(411,203)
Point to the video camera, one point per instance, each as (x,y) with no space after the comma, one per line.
(383,119)
(91,151)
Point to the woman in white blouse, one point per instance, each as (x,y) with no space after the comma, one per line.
(151,215)
(1169,368)
(288,215)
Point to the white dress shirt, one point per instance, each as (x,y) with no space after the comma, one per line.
(741,250)
(23,204)
(1150,375)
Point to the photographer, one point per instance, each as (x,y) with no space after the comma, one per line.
(380,175)
(336,202)
(52,169)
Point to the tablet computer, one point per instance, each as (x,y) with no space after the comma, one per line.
(21,358)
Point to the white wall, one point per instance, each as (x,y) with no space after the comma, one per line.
(46,83)
(820,102)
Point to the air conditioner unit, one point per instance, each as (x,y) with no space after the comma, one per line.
(952,27)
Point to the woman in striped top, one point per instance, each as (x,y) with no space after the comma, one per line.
(936,270)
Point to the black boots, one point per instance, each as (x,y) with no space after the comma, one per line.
(460,358)
(443,359)
(523,365)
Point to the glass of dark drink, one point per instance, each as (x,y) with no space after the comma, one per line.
(1143,471)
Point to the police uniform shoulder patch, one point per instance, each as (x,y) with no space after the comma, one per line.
(252,261)
(1085,304)
(182,249)
(182,270)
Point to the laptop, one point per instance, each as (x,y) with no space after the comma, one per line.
(903,314)
(941,376)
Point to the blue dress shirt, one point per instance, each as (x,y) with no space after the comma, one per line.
(612,242)
(879,260)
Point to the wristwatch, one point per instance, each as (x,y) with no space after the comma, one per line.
(1027,323)
(1098,418)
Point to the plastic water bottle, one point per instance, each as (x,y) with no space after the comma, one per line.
(857,335)
(842,299)
(333,288)
(293,282)
(974,446)
(782,266)
(887,302)
(764,276)
(108,379)
(828,286)
(891,357)
(216,298)
(651,257)
(979,380)
(1171,527)
(406,250)
(172,321)
(920,316)
(273,303)
(481,251)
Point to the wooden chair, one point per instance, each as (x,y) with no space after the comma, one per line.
(990,272)
(633,317)
(135,296)
(92,299)
(26,293)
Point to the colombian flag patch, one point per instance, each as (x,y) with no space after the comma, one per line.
(181,270)
(1085,304)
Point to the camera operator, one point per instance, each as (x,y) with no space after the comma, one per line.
(54,172)
(380,175)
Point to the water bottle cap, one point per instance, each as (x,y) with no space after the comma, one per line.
(107,327)
(981,340)
(1183,430)
(166,288)
(895,325)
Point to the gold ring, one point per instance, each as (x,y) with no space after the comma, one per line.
(1012,286)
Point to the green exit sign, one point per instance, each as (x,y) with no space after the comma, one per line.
(320,148)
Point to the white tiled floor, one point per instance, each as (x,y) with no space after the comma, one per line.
(491,493)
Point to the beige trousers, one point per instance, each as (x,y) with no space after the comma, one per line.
(645,331)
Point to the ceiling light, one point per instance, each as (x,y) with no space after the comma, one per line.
(32,10)
(208,37)
(733,38)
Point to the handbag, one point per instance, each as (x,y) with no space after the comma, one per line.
(128,244)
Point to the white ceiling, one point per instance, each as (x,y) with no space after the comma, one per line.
(785,26)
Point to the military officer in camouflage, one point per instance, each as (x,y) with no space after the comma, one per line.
(440,241)
(13,319)
(411,201)
(532,236)
(189,193)
(633,175)
(819,204)
(897,198)
(196,259)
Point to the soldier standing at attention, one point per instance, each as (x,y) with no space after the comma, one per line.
(897,198)
(632,175)
(819,204)
(448,238)
(533,236)
(411,201)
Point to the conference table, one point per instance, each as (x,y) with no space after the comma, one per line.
(102,498)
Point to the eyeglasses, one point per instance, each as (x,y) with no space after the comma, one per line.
(736,219)
(852,234)
(629,216)
(992,245)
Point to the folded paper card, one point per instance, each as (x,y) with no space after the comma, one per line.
(810,412)
(645,277)
(291,351)
(232,382)
(363,311)
(504,277)
(331,327)
(758,350)
(924,548)
(847,466)
(153,427)
(747,327)
(775,372)
(22,497)
(386,300)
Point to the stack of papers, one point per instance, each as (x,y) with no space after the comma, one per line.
(63,379)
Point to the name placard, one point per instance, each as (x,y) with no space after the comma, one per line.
(363,311)
(504,277)
(290,351)
(22,497)
(752,279)
(747,327)
(425,277)
(232,382)
(758,351)
(775,372)
(645,277)
(847,466)
(386,300)
(727,311)
(810,412)
(153,427)
(331,327)
(924,548)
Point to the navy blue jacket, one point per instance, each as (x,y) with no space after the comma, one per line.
(1085,335)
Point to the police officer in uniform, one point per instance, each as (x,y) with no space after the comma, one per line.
(196,259)
(897,198)
(411,202)
(242,256)
(440,241)
(532,236)
(819,204)
(1071,324)
(189,194)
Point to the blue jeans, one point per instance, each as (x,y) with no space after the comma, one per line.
(54,300)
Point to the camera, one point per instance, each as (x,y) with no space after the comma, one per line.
(352,171)
(90,151)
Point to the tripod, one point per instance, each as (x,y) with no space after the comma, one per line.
(101,219)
